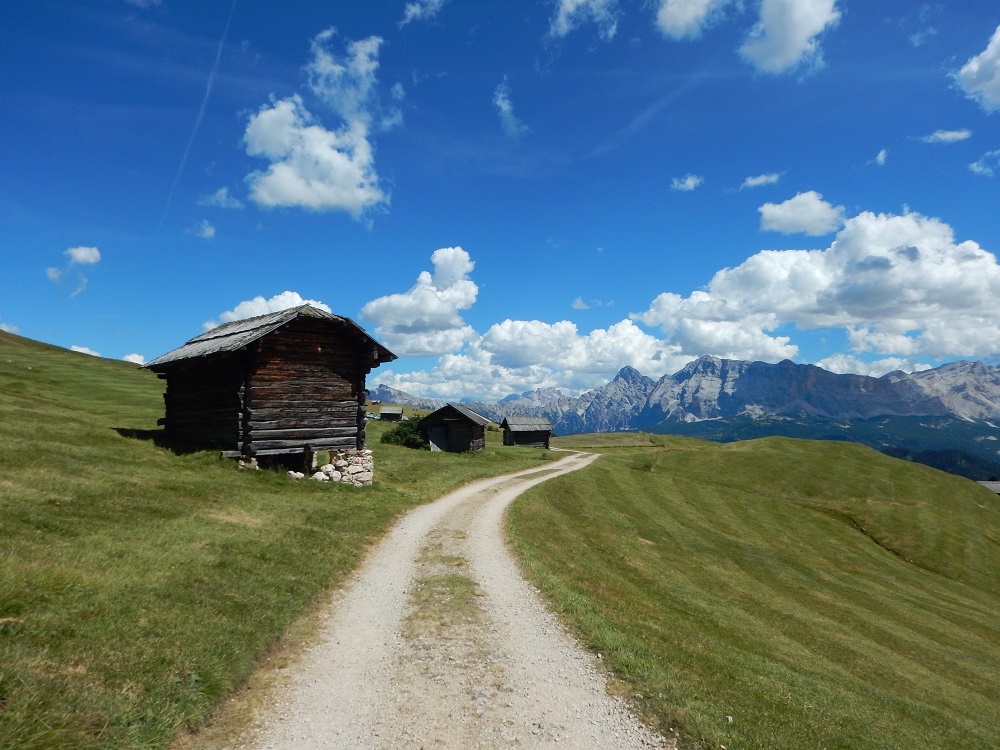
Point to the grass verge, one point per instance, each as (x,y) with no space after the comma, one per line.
(139,587)
(443,596)
(779,593)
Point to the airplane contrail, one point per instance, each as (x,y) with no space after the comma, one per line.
(200,116)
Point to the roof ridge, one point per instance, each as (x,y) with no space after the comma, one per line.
(248,330)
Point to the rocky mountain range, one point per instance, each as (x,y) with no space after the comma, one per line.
(711,388)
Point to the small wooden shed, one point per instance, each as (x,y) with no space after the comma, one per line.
(531,431)
(454,428)
(283,383)
(391,413)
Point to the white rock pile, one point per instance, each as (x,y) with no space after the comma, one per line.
(346,467)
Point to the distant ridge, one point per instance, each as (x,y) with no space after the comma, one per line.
(727,399)
(388,395)
(714,388)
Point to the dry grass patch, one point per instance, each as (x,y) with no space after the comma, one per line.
(238,517)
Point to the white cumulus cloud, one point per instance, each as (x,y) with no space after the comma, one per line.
(686,19)
(251,308)
(979,78)
(785,37)
(762,179)
(220,199)
(521,355)
(571,13)
(512,126)
(421,10)
(425,321)
(947,136)
(849,364)
(806,212)
(71,275)
(312,166)
(345,83)
(705,323)
(515,344)
(687,183)
(85,256)
(9,328)
(85,350)
(988,164)
(898,285)
(203,229)
(137,359)
(881,157)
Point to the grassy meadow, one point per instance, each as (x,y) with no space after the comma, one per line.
(768,594)
(138,586)
(778,593)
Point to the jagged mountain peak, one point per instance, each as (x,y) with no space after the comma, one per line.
(970,390)
(706,361)
(536,397)
(962,366)
(631,375)
(716,388)
(389,395)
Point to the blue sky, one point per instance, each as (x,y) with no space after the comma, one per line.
(509,195)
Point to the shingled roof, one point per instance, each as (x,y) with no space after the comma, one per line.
(231,337)
(527,424)
(478,419)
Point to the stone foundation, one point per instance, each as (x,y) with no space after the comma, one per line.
(347,467)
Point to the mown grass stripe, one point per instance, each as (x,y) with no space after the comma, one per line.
(726,581)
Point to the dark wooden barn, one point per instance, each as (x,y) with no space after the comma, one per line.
(531,431)
(454,428)
(391,413)
(289,382)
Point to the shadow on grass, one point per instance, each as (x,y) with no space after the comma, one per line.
(162,440)
(293,461)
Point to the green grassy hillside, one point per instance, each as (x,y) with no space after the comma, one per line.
(968,449)
(139,587)
(820,594)
(779,593)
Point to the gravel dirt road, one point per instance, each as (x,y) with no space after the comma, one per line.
(438,642)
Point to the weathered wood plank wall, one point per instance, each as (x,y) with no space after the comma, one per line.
(534,439)
(202,403)
(305,389)
(297,388)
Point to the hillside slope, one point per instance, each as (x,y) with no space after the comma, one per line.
(139,587)
(779,594)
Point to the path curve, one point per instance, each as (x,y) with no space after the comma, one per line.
(438,642)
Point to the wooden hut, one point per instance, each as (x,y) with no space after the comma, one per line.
(390,413)
(283,383)
(454,428)
(531,431)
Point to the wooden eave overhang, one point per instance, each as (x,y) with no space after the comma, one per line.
(527,424)
(237,335)
(459,411)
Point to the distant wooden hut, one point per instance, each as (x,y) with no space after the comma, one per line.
(390,413)
(454,428)
(531,431)
(283,383)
